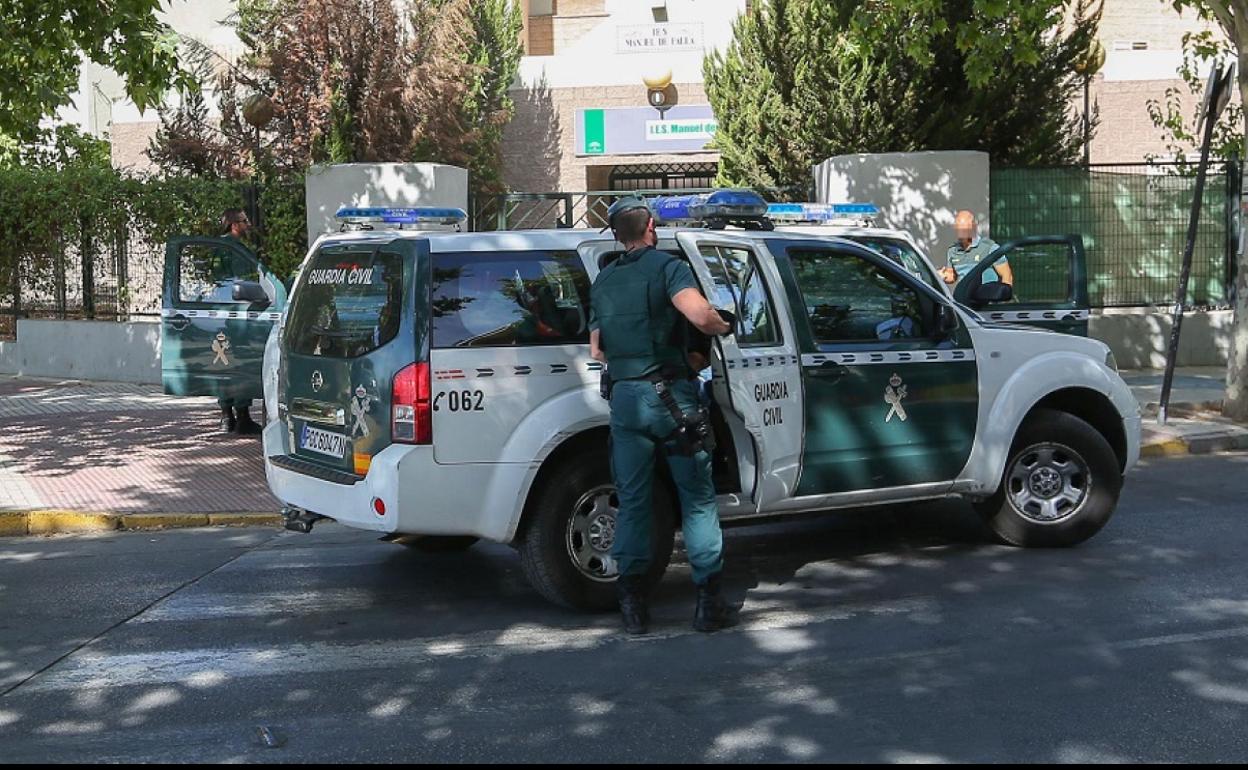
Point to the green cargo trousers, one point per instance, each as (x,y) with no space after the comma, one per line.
(640,423)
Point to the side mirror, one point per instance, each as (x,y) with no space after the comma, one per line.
(250,291)
(992,293)
(946,320)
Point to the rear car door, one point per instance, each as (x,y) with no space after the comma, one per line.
(755,369)
(1050,287)
(354,323)
(214,324)
(891,399)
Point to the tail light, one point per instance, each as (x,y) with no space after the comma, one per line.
(411,408)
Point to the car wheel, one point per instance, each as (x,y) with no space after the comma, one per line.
(1060,485)
(565,550)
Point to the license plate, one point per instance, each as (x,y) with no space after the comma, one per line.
(323,442)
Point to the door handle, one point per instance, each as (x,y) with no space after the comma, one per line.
(179,322)
(830,370)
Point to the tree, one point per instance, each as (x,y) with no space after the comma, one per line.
(45,42)
(494,53)
(806,79)
(1232,18)
(358,81)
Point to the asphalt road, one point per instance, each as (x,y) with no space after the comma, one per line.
(889,636)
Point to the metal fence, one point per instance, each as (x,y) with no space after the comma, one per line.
(1133,219)
(109,274)
(527,211)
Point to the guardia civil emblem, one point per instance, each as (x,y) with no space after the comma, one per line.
(361,404)
(220,346)
(893,395)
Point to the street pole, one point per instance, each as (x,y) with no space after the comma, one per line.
(1216,95)
(1087,122)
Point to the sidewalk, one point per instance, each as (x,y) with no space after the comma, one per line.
(127,453)
(1194,423)
(89,455)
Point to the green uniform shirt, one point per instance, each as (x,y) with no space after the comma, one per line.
(962,260)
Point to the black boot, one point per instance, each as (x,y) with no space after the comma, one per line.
(712,613)
(633,609)
(228,423)
(246,425)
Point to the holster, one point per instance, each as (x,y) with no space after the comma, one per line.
(693,432)
(605,383)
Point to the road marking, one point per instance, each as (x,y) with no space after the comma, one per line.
(210,667)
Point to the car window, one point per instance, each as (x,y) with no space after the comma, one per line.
(347,304)
(901,252)
(850,299)
(207,273)
(484,299)
(738,285)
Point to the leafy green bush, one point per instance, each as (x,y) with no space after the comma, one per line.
(61,228)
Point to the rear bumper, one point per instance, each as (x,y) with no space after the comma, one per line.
(420,496)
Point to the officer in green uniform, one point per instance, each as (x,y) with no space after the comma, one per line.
(639,305)
(971,249)
(236,412)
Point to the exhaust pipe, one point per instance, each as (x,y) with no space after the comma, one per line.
(299,520)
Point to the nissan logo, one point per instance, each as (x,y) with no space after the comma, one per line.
(318,381)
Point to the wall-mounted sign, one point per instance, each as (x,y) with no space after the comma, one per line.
(674,130)
(640,131)
(659,38)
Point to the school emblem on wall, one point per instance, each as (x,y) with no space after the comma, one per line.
(220,346)
(361,404)
(893,395)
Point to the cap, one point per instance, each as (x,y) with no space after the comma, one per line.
(619,207)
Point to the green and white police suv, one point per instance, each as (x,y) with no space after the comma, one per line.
(218,308)
(441,385)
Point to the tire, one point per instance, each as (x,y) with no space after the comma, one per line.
(1060,485)
(438,543)
(551,536)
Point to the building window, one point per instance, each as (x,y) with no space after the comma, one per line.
(539,28)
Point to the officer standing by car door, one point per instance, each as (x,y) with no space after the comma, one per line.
(638,308)
(236,412)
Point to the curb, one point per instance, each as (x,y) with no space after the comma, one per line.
(1221,441)
(48,522)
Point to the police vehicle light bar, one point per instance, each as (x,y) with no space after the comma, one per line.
(744,208)
(418,216)
(823,213)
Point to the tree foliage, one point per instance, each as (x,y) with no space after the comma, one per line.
(45,41)
(803,80)
(356,81)
(1177,113)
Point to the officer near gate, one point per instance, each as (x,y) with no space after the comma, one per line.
(639,307)
(969,250)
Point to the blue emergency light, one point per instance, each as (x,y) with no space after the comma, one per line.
(823,213)
(715,210)
(419,216)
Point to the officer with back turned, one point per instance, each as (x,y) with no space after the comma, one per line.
(639,307)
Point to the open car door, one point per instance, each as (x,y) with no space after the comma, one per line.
(1049,290)
(219,305)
